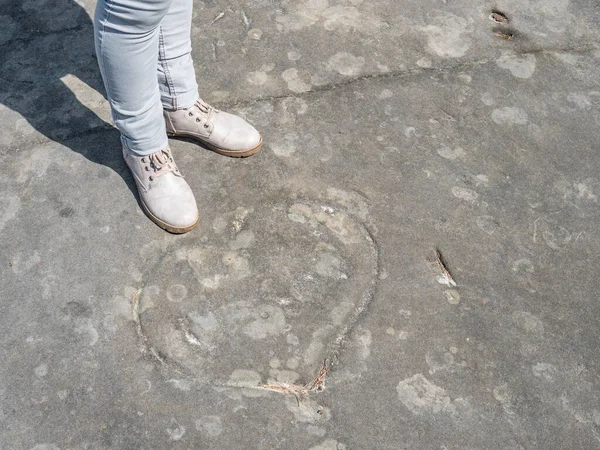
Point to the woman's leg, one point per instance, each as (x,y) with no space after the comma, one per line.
(127,35)
(176,76)
(185,114)
(127,44)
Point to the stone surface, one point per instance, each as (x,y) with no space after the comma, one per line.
(391,129)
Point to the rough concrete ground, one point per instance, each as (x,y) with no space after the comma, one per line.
(391,129)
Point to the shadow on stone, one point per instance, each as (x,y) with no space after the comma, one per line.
(48,58)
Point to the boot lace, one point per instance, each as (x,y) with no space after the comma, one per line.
(160,163)
(204,112)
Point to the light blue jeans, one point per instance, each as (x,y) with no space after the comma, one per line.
(144,53)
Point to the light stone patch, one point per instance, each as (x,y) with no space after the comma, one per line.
(259,322)
(585,192)
(294,82)
(312,355)
(487,99)
(181,384)
(509,116)
(336,18)
(567,58)
(292,363)
(305,15)
(238,266)
(347,64)
(421,396)
(329,444)
(175,431)
(581,101)
(244,239)
(340,312)
(85,326)
(299,213)
(210,426)
(365,339)
(329,266)
(487,224)
(438,359)
(248,380)
(451,154)
(453,296)
(503,395)
(523,265)
(220,96)
(294,55)
(520,66)
(294,106)
(404,313)
(283,376)
(446,35)
(287,146)
(9,207)
(385,94)
(275,363)
(410,132)
(546,371)
(255,34)
(342,18)
(316,431)
(309,411)
(257,78)
(424,63)
(554,235)
(176,293)
(465,78)
(528,322)
(41,371)
(352,201)
(465,194)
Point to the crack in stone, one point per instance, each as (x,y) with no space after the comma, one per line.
(392,75)
(395,74)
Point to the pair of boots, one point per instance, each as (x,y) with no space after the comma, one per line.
(165,195)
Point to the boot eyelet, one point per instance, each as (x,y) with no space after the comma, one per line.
(197,120)
(150,178)
(205,125)
(147,169)
(190,114)
(143,160)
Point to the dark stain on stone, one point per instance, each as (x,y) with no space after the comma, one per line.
(66,212)
(76,309)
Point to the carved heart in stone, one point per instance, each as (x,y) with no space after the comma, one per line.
(283,283)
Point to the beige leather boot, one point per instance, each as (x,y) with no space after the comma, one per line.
(165,195)
(222,132)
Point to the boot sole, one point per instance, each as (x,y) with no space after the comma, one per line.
(220,151)
(166,226)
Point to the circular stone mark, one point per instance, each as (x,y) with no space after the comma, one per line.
(292,292)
